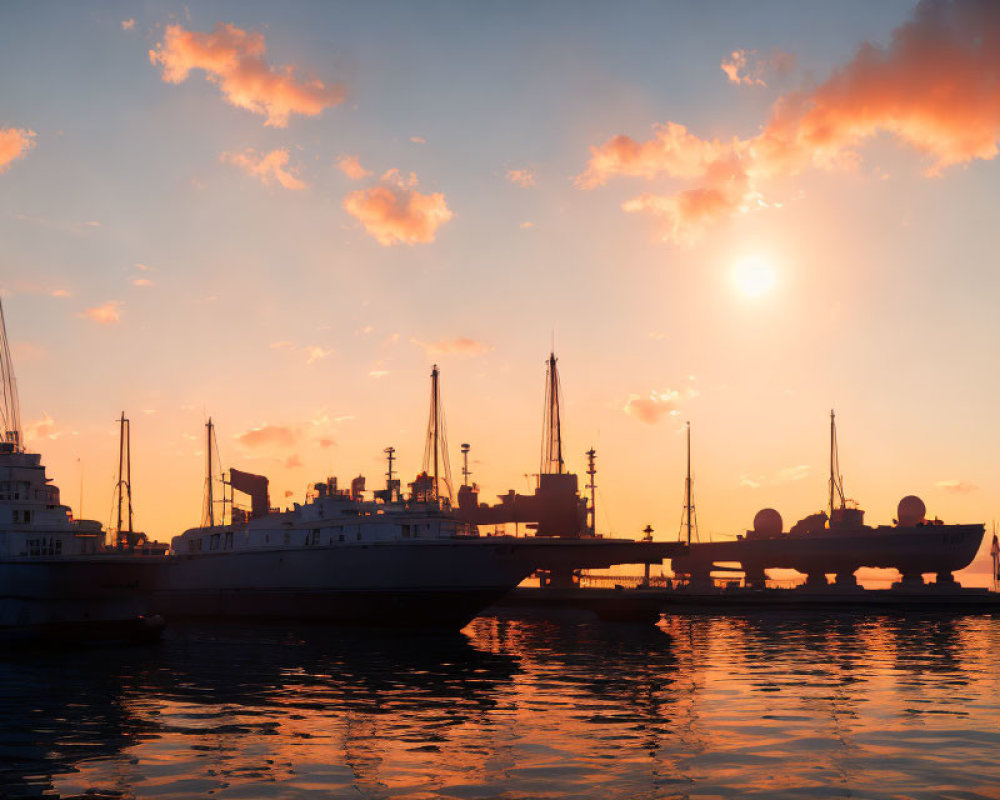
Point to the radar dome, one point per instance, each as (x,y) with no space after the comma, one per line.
(910,511)
(767,522)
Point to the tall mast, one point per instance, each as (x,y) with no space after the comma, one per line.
(836,480)
(688,506)
(435,412)
(592,473)
(209,482)
(436,460)
(121,475)
(10,414)
(552,457)
(123,538)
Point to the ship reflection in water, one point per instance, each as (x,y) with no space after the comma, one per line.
(766,705)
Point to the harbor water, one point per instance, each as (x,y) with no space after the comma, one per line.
(792,704)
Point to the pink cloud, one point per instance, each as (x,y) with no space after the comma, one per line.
(14,144)
(462,346)
(108,314)
(268,435)
(265,166)
(935,87)
(44,428)
(522,177)
(654,406)
(128,24)
(234,59)
(351,167)
(142,282)
(394,212)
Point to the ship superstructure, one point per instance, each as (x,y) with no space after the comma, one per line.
(57,573)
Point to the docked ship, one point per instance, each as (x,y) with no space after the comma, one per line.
(394,558)
(838,542)
(61,576)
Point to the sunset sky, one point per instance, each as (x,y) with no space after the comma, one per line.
(281,216)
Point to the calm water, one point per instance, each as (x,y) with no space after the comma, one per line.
(770,705)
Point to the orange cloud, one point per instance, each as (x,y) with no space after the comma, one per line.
(654,406)
(142,282)
(128,24)
(108,314)
(351,167)
(14,144)
(394,212)
(234,59)
(522,177)
(462,346)
(956,486)
(265,167)
(934,87)
(268,435)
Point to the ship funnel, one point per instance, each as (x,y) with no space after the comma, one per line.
(256,487)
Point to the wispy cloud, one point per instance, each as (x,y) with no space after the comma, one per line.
(142,282)
(265,166)
(935,87)
(461,346)
(107,314)
(522,177)
(956,486)
(351,167)
(14,144)
(128,24)
(234,59)
(750,68)
(394,212)
(316,353)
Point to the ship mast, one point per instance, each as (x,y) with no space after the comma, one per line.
(592,473)
(10,414)
(211,454)
(124,479)
(688,505)
(836,479)
(689,524)
(436,448)
(552,457)
(465,463)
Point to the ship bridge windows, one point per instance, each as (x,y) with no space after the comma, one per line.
(46,546)
(312,538)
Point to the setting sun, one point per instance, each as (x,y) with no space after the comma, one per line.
(753,276)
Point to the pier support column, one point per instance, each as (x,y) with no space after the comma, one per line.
(945,580)
(817,580)
(755,577)
(846,580)
(910,580)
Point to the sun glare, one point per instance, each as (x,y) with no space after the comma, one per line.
(753,276)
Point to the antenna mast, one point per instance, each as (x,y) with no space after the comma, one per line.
(591,473)
(10,414)
(552,458)
(465,463)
